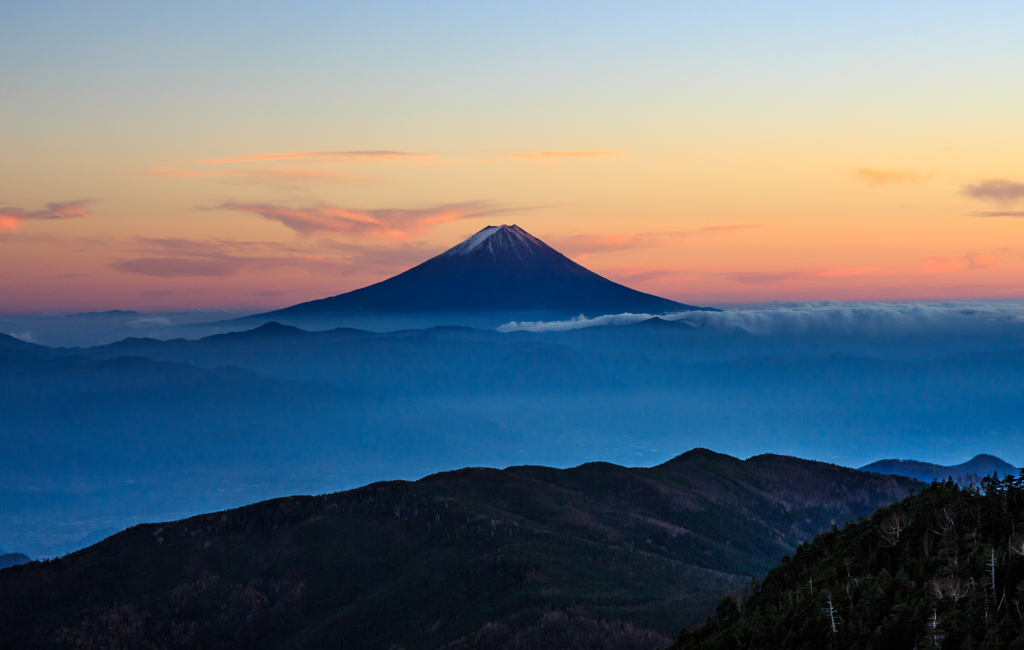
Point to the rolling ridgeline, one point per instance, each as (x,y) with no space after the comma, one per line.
(595,556)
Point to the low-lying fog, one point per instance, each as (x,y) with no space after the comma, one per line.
(98,438)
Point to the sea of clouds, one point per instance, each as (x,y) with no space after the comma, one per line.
(791,318)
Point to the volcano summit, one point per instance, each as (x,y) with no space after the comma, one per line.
(502,272)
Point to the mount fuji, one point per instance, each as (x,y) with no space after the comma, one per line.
(501,272)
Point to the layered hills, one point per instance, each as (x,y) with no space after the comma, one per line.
(164,429)
(523,557)
(942,569)
(973,470)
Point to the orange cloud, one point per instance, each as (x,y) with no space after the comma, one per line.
(880,177)
(259,175)
(11,218)
(979,261)
(557,155)
(386,222)
(372,155)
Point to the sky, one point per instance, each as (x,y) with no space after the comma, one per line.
(175,156)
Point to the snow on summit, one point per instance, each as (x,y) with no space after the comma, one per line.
(495,238)
(467,246)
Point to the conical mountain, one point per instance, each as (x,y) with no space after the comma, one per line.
(501,269)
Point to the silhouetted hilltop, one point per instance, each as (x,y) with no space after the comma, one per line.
(13,559)
(470,558)
(975,469)
(941,569)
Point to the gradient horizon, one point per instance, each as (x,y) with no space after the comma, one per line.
(249,156)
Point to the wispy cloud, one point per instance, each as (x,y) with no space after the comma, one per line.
(383,222)
(996,190)
(11,218)
(566,155)
(175,257)
(880,177)
(261,175)
(580,245)
(378,155)
(1008,213)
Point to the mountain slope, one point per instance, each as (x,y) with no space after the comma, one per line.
(499,269)
(975,469)
(470,558)
(942,569)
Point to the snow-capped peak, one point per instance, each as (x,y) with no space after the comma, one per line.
(509,239)
(468,246)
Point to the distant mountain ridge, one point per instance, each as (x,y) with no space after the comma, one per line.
(13,559)
(499,269)
(524,557)
(975,469)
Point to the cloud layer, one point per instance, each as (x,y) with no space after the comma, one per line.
(871,319)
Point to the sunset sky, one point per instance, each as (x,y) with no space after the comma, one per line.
(173,156)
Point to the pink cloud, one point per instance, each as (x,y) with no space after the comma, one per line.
(11,218)
(382,222)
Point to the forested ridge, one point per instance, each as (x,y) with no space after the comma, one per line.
(943,568)
(596,556)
